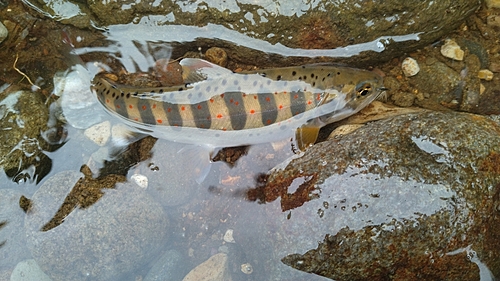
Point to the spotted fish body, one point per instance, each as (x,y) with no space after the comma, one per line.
(223,109)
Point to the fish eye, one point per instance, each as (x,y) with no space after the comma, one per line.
(364,90)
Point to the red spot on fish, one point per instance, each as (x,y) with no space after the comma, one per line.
(296,97)
(159,121)
(284,92)
(222,95)
(318,97)
(154,106)
(252,111)
(208,118)
(275,93)
(255,96)
(118,106)
(268,99)
(236,103)
(136,119)
(169,109)
(268,121)
(144,107)
(224,129)
(309,102)
(211,100)
(219,116)
(130,106)
(183,108)
(107,101)
(199,106)
(280,106)
(231,100)
(244,94)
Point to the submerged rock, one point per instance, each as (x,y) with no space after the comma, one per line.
(266,34)
(108,236)
(413,197)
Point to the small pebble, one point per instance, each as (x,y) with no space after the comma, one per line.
(3,32)
(140,180)
(493,3)
(485,74)
(217,56)
(410,67)
(495,66)
(228,236)
(246,268)
(99,133)
(493,20)
(451,50)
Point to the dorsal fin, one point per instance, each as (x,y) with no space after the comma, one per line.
(196,70)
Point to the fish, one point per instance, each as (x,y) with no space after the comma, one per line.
(218,108)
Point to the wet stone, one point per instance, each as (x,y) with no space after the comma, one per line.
(3,32)
(106,237)
(13,244)
(298,25)
(391,198)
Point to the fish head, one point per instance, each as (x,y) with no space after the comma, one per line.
(361,89)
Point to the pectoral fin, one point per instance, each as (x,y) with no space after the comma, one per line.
(306,135)
(199,158)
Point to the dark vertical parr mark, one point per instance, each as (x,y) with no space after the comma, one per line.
(173,114)
(144,108)
(201,115)
(268,108)
(236,108)
(120,107)
(297,102)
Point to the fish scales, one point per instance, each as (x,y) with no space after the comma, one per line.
(221,108)
(226,111)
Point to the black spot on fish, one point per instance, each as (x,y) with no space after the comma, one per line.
(235,82)
(314,84)
(197,87)
(113,95)
(338,73)
(263,74)
(312,75)
(300,78)
(254,83)
(316,77)
(323,79)
(303,66)
(329,74)
(223,82)
(245,77)
(189,96)
(216,88)
(128,95)
(180,89)
(136,94)
(200,94)
(294,73)
(208,88)
(122,94)
(268,82)
(160,91)
(304,77)
(107,92)
(152,92)
(278,78)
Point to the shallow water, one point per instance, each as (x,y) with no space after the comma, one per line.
(157,179)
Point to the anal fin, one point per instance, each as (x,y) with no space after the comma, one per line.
(306,135)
